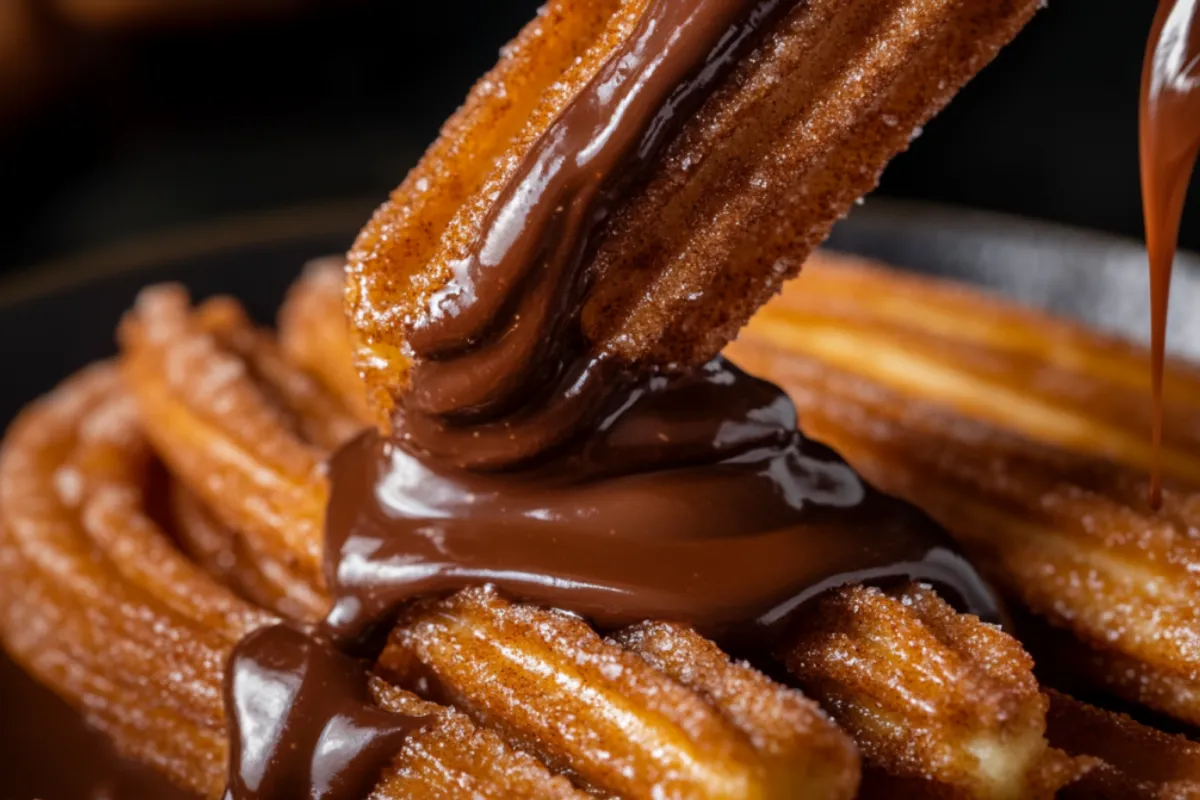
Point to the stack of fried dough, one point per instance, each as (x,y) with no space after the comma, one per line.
(125,585)
(155,509)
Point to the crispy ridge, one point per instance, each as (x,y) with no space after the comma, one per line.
(754,181)
(224,555)
(603,714)
(929,694)
(1024,436)
(784,726)
(226,430)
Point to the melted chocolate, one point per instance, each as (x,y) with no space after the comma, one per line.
(1170,139)
(302,722)
(696,501)
(48,752)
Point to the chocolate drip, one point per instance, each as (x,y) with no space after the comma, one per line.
(301,721)
(696,501)
(502,375)
(1170,139)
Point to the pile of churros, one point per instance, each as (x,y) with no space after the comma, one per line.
(126,585)
(158,508)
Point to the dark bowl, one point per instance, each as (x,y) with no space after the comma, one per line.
(56,319)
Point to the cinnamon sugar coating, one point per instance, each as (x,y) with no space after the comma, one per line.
(933,697)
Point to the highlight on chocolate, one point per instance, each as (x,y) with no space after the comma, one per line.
(586,474)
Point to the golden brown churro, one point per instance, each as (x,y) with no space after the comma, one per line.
(930,695)
(234,434)
(799,130)
(98,605)
(1025,437)
(607,716)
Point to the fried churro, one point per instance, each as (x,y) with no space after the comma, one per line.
(930,695)
(797,107)
(612,719)
(1025,436)
(234,434)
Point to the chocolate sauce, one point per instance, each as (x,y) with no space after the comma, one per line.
(302,723)
(697,501)
(1170,139)
(525,459)
(48,752)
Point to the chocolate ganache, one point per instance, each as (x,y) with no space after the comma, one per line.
(1169,122)
(302,722)
(522,458)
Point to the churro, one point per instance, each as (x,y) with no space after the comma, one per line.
(1025,436)
(611,718)
(930,695)
(807,112)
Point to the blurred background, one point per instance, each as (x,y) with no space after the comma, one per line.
(122,119)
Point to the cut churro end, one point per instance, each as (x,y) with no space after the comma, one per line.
(929,694)
(800,128)
(1025,437)
(1135,761)
(602,714)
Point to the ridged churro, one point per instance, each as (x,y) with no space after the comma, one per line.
(235,435)
(1026,437)
(932,696)
(798,130)
(607,716)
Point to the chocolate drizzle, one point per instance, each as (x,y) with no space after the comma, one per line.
(697,501)
(1170,139)
(302,723)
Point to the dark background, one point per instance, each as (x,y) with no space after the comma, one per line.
(145,126)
